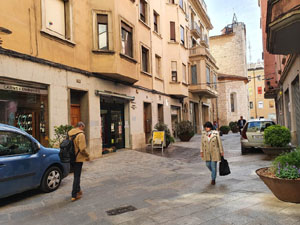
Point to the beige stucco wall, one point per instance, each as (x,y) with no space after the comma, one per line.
(30,36)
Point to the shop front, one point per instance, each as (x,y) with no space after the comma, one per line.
(25,105)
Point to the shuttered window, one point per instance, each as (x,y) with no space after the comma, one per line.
(172,31)
(55,16)
(194,74)
(145,59)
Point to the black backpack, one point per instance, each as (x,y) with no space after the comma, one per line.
(67,150)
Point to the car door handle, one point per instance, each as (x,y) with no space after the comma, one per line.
(2,165)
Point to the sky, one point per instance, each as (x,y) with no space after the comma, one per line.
(247,11)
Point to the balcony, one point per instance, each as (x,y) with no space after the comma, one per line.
(195,30)
(205,90)
(199,52)
(283,25)
(204,41)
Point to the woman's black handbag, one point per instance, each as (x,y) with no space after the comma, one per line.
(224,167)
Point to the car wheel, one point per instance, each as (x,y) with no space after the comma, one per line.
(244,150)
(51,179)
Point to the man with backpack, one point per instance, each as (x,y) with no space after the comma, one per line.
(81,155)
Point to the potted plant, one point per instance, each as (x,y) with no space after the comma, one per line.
(283,177)
(164,127)
(234,127)
(225,129)
(277,139)
(185,130)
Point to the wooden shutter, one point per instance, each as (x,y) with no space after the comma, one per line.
(172,31)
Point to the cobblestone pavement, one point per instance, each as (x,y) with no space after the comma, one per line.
(171,190)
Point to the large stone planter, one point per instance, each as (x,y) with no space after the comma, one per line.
(185,137)
(275,151)
(285,190)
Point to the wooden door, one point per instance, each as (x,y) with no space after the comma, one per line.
(75,114)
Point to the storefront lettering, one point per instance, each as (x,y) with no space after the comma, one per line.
(22,89)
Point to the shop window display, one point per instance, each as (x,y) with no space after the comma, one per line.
(27,111)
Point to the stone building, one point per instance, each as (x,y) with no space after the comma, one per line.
(229,49)
(260,106)
(119,66)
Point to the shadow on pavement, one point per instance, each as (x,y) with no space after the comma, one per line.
(19,197)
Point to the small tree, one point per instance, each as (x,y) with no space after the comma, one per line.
(60,133)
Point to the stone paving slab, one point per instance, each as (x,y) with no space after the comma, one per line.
(170,190)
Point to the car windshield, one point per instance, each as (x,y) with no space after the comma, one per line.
(259,125)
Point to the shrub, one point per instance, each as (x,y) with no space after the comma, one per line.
(225,129)
(234,127)
(277,136)
(184,130)
(60,133)
(287,165)
(164,127)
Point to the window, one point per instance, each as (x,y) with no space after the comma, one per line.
(14,144)
(251,105)
(156,22)
(194,74)
(143,11)
(172,31)
(57,19)
(172,1)
(207,75)
(174,71)
(127,44)
(233,102)
(260,104)
(184,73)
(102,21)
(181,3)
(259,90)
(215,81)
(182,35)
(158,65)
(145,60)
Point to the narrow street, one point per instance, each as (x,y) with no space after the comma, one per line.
(174,189)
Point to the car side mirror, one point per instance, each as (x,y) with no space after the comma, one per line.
(36,146)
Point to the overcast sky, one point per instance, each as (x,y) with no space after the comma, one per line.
(247,11)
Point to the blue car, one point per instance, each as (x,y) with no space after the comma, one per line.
(25,164)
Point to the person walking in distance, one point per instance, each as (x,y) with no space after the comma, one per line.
(82,156)
(241,123)
(211,149)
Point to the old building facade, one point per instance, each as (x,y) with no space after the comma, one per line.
(229,49)
(260,107)
(282,36)
(119,66)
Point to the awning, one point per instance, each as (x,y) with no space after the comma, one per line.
(112,94)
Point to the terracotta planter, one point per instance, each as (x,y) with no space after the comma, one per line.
(185,137)
(285,190)
(275,151)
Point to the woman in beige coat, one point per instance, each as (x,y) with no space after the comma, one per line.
(211,149)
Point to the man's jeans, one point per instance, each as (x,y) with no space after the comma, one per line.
(77,166)
(212,166)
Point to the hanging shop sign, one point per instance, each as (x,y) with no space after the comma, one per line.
(9,87)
